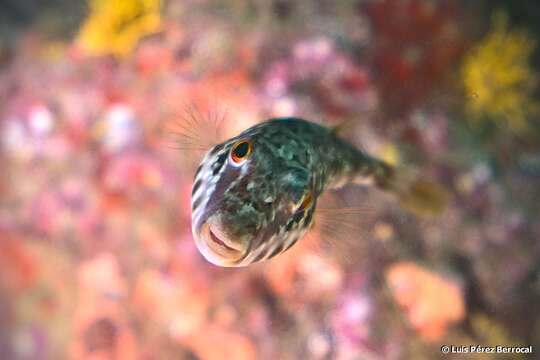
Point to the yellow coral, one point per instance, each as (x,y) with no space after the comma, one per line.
(497,74)
(115,26)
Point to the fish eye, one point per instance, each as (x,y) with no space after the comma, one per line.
(305,202)
(240,151)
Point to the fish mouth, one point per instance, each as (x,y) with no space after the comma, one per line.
(221,243)
(218,247)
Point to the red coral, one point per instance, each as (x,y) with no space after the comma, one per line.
(416,42)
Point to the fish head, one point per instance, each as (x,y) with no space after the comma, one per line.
(250,200)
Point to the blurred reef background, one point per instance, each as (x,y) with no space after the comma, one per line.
(97,260)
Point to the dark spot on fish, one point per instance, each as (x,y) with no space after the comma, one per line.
(291,244)
(216,149)
(260,256)
(277,250)
(197,202)
(196,186)
(309,217)
(198,170)
(289,225)
(216,167)
(298,216)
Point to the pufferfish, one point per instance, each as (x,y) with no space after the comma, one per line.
(255,195)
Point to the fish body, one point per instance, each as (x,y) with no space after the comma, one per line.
(255,194)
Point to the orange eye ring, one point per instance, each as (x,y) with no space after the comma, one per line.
(240,151)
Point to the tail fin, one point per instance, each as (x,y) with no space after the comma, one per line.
(420,196)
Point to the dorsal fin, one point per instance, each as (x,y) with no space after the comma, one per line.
(347,127)
(340,129)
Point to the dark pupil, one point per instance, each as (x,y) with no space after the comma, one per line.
(241,150)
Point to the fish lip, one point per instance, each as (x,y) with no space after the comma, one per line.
(216,247)
(218,238)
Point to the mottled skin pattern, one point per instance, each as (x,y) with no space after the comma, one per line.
(260,205)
